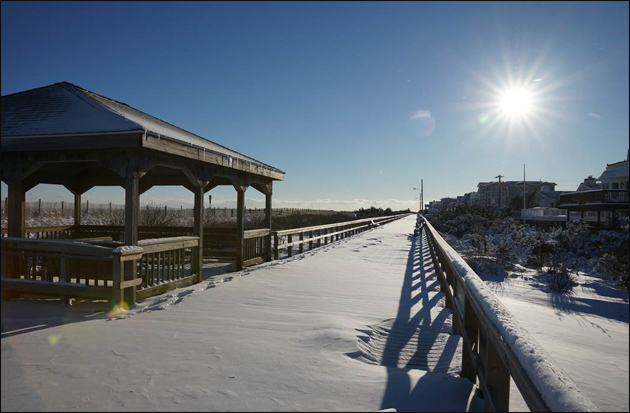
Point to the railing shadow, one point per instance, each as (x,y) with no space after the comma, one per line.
(421,311)
(23,316)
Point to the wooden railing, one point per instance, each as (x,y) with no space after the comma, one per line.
(495,347)
(98,269)
(58,232)
(256,247)
(64,268)
(600,196)
(315,236)
(167,264)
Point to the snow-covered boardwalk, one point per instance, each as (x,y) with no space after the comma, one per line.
(356,325)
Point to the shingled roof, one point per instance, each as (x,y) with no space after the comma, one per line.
(64,109)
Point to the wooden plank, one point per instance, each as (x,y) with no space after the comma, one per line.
(75,142)
(255,233)
(173,147)
(130,283)
(253,261)
(145,293)
(55,246)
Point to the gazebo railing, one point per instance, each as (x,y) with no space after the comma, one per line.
(68,268)
(166,264)
(54,232)
(256,247)
(60,267)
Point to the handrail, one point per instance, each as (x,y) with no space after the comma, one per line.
(318,227)
(339,230)
(496,347)
(606,196)
(43,229)
(255,233)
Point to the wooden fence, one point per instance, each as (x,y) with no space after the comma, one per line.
(316,236)
(489,357)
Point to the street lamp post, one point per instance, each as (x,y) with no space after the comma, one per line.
(419,200)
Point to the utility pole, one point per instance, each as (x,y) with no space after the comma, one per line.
(500,190)
(524,189)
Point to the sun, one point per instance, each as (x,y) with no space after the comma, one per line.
(516,102)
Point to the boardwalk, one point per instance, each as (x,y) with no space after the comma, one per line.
(356,325)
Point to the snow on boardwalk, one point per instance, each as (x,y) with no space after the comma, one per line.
(345,327)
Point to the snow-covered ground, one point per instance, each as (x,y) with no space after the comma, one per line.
(586,331)
(355,325)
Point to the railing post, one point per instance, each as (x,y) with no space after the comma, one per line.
(498,380)
(290,247)
(276,246)
(310,242)
(118,275)
(301,242)
(471,327)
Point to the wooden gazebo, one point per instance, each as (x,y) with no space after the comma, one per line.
(66,135)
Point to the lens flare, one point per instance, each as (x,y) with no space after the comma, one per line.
(118,310)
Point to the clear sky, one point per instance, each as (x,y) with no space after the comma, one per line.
(356,102)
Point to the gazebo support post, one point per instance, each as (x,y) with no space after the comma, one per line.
(268,225)
(132,220)
(240,225)
(16,227)
(77,209)
(198,230)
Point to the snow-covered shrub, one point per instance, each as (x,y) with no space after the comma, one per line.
(156,216)
(617,264)
(542,253)
(485,265)
(117,217)
(562,281)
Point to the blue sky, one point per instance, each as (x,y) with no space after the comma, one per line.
(356,102)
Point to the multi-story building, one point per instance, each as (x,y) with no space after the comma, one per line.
(500,194)
(607,200)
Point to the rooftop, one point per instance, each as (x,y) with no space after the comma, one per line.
(64,109)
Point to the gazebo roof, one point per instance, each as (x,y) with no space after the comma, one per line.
(68,111)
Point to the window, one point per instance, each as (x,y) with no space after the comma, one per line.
(615,185)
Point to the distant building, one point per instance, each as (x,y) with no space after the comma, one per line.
(589,184)
(495,194)
(607,199)
(615,176)
(448,202)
